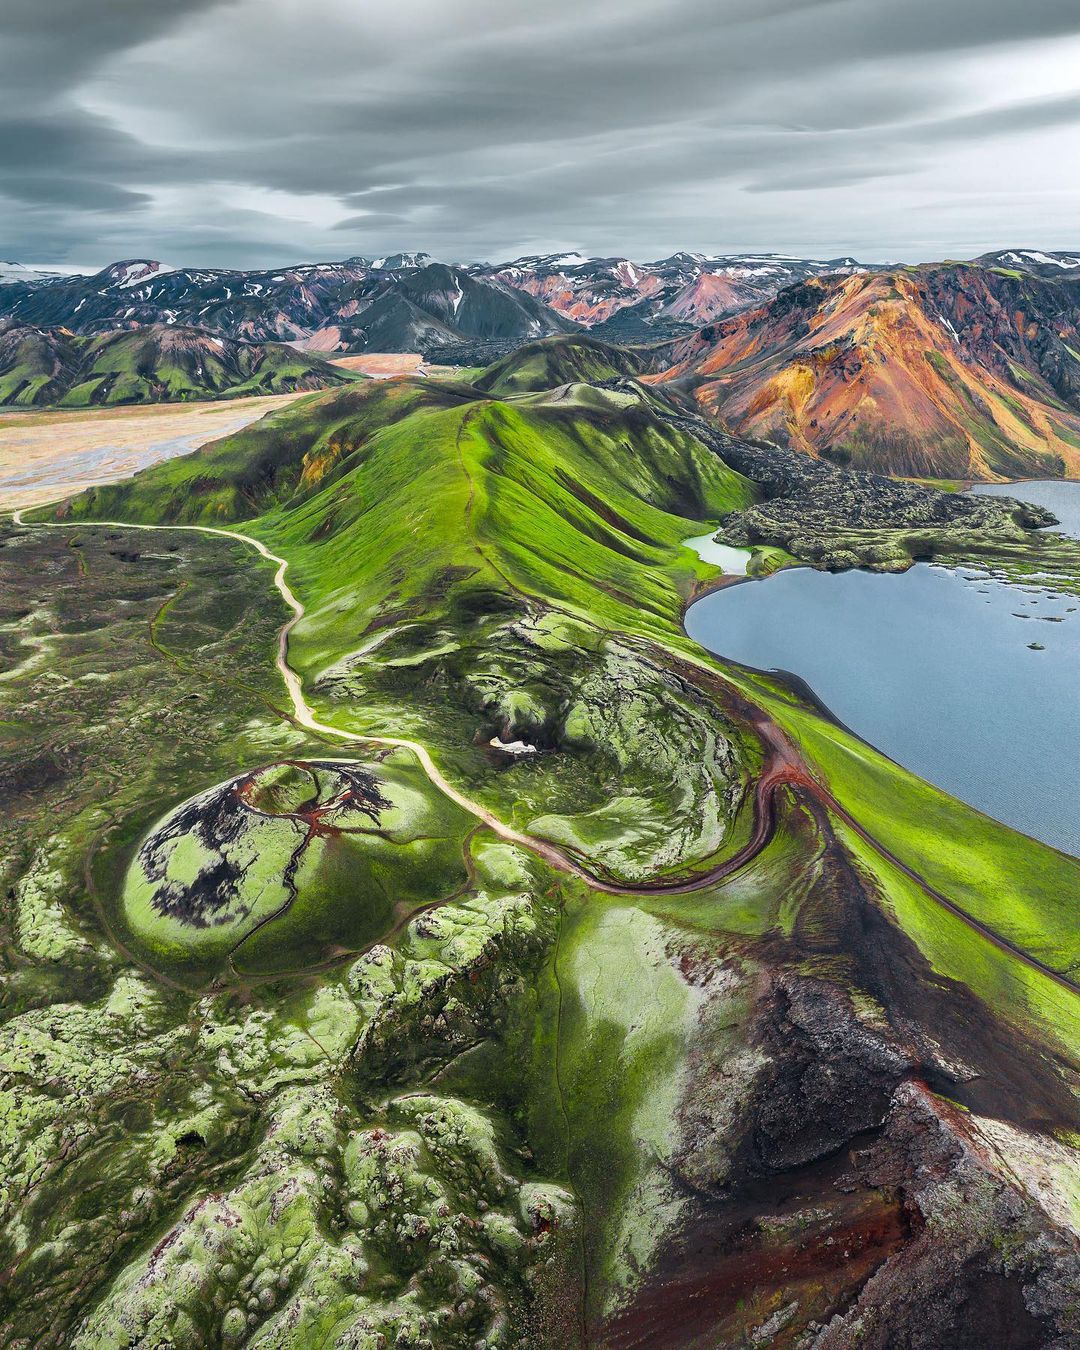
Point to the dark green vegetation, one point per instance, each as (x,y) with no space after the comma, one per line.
(160,364)
(556,362)
(822,1097)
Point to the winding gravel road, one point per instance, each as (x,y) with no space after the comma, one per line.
(783,766)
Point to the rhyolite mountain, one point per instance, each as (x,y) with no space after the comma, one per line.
(627,298)
(157,364)
(402,303)
(950,371)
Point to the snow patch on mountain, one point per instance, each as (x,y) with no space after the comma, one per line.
(12,272)
(1065,260)
(122,276)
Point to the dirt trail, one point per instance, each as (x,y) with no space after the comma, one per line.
(304,714)
(783,767)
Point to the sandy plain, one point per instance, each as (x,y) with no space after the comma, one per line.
(48,454)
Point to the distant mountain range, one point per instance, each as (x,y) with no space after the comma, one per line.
(953,370)
(397,304)
(156,364)
(1033,261)
(410,302)
(623,298)
(11,272)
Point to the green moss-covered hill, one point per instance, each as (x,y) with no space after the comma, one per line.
(552,362)
(744,1036)
(426,517)
(158,364)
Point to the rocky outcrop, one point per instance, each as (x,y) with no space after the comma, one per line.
(840,518)
(824,1195)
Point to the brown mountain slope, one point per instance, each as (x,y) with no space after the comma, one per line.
(710,296)
(950,371)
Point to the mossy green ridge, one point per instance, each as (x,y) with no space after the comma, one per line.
(1022,889)
(284,456)
(158,364)
(554,362)
(466,524)
(479,1101)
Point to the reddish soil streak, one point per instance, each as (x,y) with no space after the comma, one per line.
(784,767)
(724,1288)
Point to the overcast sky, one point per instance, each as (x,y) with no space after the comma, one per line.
(248,132)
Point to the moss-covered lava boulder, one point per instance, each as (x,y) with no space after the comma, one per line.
(292,863)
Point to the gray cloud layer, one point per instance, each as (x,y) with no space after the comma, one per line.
(262,131)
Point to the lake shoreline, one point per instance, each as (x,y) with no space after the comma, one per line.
(930,668)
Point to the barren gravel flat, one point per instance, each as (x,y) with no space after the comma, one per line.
(48,454)
(392,365)
(381,365)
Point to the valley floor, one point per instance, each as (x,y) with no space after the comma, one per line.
(326,1021)
(48,454)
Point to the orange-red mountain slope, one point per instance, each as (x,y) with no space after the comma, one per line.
(950,371)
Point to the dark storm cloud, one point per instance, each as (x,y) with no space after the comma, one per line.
(73,141)
(64,190)
(49,44)
(266,130)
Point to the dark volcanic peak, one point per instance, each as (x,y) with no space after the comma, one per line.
(682,258)
(130,272)
(399,262)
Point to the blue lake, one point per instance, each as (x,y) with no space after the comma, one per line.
(934,668)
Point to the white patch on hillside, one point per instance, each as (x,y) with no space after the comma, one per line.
(949,328)
(12,272)
(136,272)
